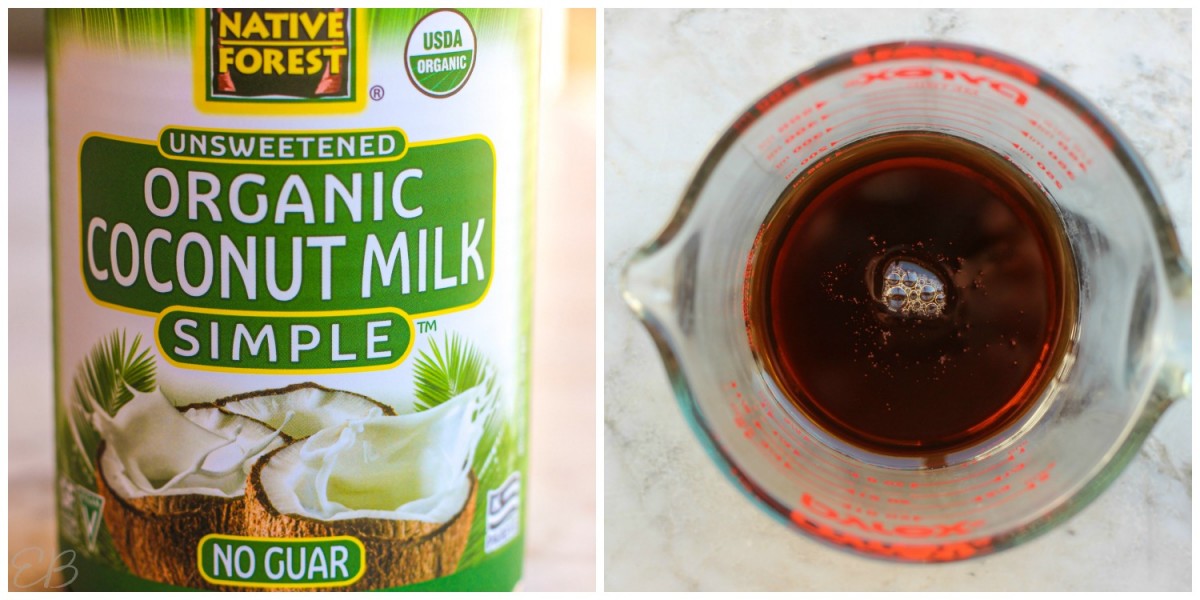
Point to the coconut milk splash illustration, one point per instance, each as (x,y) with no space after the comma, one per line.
(402,484)
(174,474)
(151,449)
(166,479)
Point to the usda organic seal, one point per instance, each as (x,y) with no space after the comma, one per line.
(440,54)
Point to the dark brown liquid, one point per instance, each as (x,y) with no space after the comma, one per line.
(910,296)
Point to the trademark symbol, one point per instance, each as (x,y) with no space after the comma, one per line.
(426,326)
(377,92)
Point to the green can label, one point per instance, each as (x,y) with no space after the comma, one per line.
(292,296)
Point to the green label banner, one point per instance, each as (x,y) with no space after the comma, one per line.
(264,251)
(415,234)
(268,342)
(353,146)
(267,563)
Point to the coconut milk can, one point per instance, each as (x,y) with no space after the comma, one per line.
(292,290)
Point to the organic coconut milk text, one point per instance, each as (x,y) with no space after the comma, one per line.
(292,296)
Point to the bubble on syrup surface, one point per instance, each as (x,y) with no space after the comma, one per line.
(912,289)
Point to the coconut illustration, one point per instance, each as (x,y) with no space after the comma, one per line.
(168,480)
(400,484)
(298,410)
(170,476)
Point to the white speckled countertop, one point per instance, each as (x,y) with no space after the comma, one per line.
(674,80)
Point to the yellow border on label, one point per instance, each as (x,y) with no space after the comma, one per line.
(410,317)
(362,563)
(277,132)
(272,109)
(412,338)
(495,190)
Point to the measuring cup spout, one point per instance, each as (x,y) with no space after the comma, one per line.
(644,285)
(659,280)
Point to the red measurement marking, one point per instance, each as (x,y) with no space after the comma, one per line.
(1064,143)
(1073,156)
(743,122)
(1030,484)
(899,96)
(819,509)
(1002,88)
(796,183)
(819,476)
(810,459)
(1016,469)
(893,111)
(1022,150)
(800,466)
(776,96)
(1061,164)
(971,121)
(993,493)
(1050,153)
(870,512)
(972,475)
(889,53)
(809,140)
(918,124)
(864,495)
(1041,165)
(816,457)
(904,551)
(1032,139)
(797,133)
(800,115)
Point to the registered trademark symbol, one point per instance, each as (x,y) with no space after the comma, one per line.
(377,92)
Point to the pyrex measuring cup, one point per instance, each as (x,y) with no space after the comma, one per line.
(1129,349)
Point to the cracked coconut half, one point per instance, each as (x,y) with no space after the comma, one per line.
(402,485)
(171,475)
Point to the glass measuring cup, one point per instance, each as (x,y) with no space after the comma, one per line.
(1126,360)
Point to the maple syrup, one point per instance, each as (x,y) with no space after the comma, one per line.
(913,295)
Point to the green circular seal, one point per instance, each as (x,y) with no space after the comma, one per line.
(440,54)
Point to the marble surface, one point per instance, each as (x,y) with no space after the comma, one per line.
(673,81)
(560,550)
